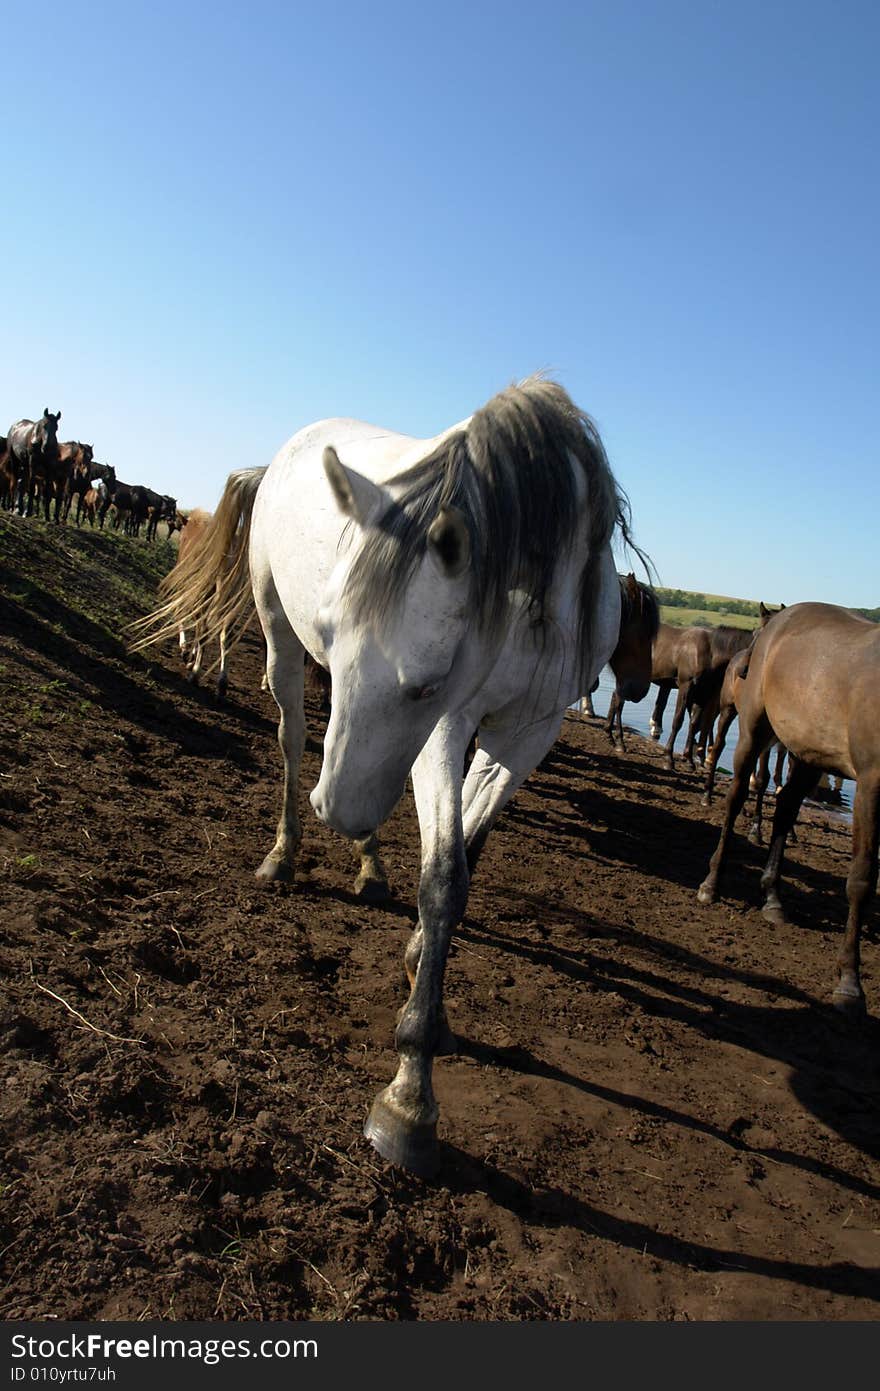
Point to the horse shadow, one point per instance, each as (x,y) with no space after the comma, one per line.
(657,840)
(829,1058)
(96,660)
(552,1206)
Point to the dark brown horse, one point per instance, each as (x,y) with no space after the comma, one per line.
(74,475)
(813,683)
(631,660)
(33,449)
(8,477)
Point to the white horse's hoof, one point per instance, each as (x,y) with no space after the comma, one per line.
(412,1147)
(274,871)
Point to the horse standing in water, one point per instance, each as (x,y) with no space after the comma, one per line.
(680,657)
(451,583)
(695,660)
(631,660)
(813,683)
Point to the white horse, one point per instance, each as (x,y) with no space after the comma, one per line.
(459,582)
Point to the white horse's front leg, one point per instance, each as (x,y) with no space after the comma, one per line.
(402,1123)
(504,759)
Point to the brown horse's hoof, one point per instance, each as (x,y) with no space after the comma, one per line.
(412,1147)
(274,871)
(706,892)
(371,890)
(706,800)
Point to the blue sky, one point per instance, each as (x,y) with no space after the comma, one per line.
(225,221)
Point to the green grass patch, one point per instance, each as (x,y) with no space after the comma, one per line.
(709,618)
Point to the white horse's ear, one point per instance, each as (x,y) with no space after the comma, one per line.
(355,495)
(449,542)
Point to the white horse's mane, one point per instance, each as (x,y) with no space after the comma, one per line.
(509,472)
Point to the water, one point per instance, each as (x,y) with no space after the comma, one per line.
(637,715)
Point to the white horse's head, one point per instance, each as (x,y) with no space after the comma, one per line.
(396,665)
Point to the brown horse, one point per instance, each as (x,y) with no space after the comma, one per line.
(734,676)
(695,660)
(814,683)
(680,657)
(631,660)
(723,707)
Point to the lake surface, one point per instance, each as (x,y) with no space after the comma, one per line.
(638,715)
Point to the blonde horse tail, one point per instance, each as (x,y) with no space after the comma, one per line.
(209,589)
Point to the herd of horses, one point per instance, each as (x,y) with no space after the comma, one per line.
(466,583)
(36,468)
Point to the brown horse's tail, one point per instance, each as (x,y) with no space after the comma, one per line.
(209,589)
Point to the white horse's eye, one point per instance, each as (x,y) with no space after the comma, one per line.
(422,692)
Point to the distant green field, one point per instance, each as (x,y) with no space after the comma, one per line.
(685,618)
(683,607)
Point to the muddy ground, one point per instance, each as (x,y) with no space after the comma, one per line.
(654,1113)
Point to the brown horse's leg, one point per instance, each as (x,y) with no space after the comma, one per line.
(677,719)
(802,780)
(704,738)
(762,780)
(371,884)
(620,705)
(848,994)
(656,725)
(749,746)
(725,720)
(697,711)
(612,712)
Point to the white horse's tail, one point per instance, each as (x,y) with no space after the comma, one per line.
(209,589)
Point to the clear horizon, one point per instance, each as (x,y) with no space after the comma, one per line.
(226,222)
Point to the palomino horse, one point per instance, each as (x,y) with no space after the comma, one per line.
(813,683)
(631,660)
(33,448)
(450,583)
(192,537)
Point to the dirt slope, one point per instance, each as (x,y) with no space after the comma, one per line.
(654,1113)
